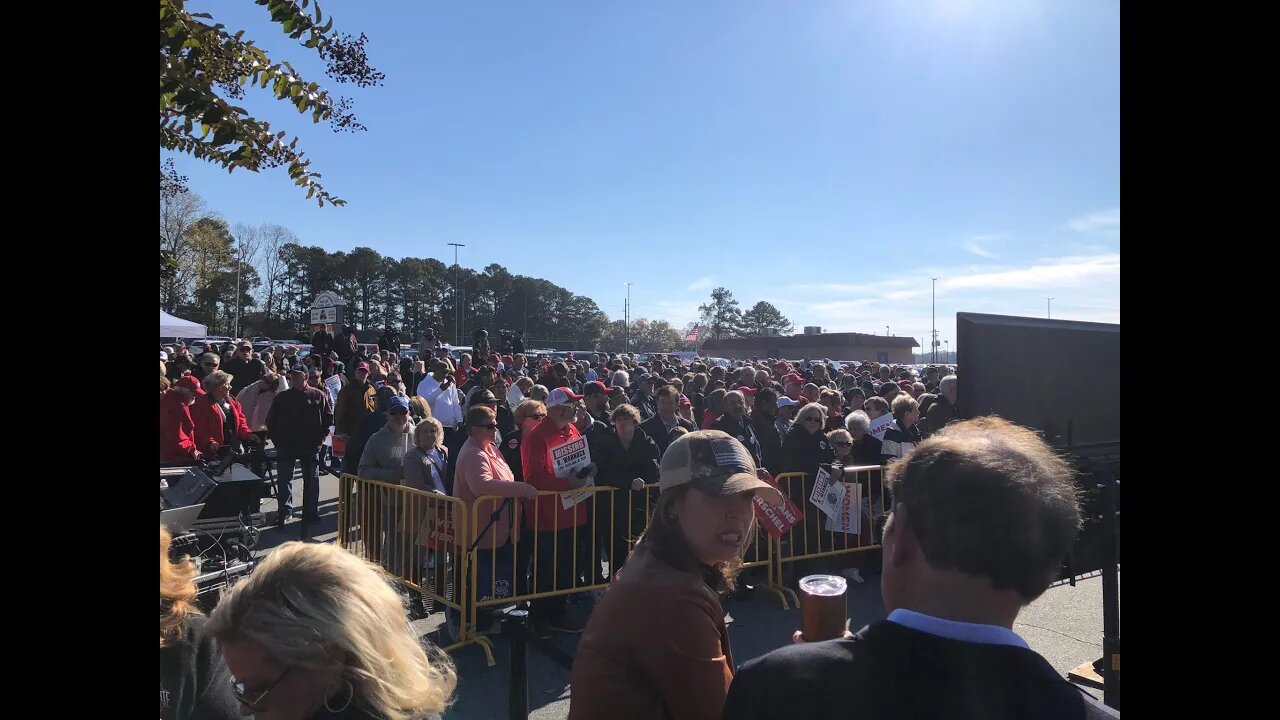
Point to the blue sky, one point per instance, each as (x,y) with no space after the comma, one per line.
(828,156)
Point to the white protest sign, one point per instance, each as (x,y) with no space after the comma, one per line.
(566,459)
(824,496)
(880,425)
(847,518)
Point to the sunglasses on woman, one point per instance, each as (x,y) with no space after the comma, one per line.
(842,444)
(242,692)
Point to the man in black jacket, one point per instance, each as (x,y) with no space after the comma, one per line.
(321,340)
(389,341)
(734,422)
(764,411)
(943,411)
(297,423)
(953,582)
(643,397)
(659,426)
(245,369)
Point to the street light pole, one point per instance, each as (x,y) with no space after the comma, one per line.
(948,342)
(626,322)
(239,255)
(934,321)
(1048,308)
(457,307)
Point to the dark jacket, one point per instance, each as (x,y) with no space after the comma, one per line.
(743,431)
(866,451)
(244,372)
(769,439)
(345,346)
(898,672)
(804,452)
(646,404)
(299,419)
(619,465)
(656,429)
(389,341)
(322,343)
(364,429)
(355,400)
(510,449)
(194,682)
(940,413)
(892,446)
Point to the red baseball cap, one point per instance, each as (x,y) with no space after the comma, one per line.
(191,383)
(562,396)
(362,366)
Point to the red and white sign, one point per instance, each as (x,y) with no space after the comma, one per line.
(880,425)
(566,459)
(848,516)
(776,520)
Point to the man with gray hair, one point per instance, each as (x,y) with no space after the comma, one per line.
(736,423)
(984,513)
(943,411)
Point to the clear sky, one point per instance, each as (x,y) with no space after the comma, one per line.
(830,156)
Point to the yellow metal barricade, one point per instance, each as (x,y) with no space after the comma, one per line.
(417,537)
(820,535)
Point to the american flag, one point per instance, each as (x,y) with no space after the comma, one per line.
(692,336)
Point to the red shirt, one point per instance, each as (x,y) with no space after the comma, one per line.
(535,460)
(177,432)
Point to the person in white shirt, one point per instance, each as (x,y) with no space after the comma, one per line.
(441,394)
(516,394)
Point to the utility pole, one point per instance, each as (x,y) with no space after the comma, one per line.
(236,331)
(934,334)
(457,306)
(626,322)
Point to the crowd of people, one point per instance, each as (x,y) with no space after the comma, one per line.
(655,644)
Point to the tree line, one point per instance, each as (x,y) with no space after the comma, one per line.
(279,277)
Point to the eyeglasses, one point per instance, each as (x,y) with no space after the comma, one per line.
(241,692)
(842,444)
(487,426)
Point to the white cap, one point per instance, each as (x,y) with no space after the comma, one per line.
(561,396)
(785,401)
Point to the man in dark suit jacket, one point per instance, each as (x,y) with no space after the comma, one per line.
(953,583)
(659,426)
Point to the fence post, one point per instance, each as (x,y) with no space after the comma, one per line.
(516,628)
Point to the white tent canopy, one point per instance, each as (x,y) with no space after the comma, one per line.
(171,326)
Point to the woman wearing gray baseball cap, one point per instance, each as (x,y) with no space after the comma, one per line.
(656,645)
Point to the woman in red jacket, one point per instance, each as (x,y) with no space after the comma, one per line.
(218,419)
(177,432)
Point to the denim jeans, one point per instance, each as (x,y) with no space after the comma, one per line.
(285,459)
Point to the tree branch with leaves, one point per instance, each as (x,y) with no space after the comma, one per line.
(201,62)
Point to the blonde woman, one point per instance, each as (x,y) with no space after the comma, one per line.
(316,632)
(194,681)
(425,463)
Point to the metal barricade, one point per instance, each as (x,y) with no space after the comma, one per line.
(417,537)
(819,535)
